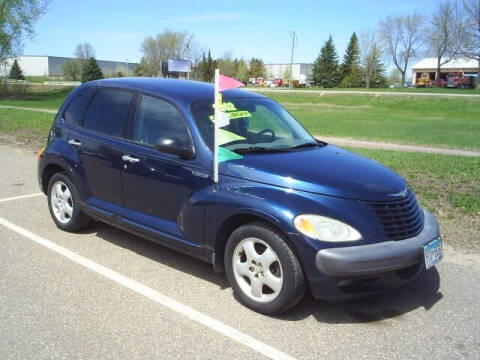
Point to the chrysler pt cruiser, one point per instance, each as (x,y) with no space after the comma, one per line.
(289,212)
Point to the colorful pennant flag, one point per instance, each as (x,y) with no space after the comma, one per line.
(222,83)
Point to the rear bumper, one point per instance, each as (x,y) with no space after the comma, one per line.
(358,270)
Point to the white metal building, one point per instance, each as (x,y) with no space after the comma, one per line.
(34,65)
(466,67)
(278,71)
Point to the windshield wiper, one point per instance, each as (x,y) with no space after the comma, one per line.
(259,149)
(305,145)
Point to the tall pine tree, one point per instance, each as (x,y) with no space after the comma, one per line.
(210,68)
(376,78)
(91,70)
(16,72)
(325,68)
(350,70)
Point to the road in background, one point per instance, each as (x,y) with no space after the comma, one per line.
(51,307)
(364,92)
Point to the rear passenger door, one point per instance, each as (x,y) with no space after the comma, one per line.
(163,192)
(99,147)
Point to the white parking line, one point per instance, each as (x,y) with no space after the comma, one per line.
(154,295)
(20,197)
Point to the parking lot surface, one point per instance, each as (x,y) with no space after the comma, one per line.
(57,305)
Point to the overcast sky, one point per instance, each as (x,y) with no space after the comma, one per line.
(246,28)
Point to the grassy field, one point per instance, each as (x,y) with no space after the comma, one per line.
(447,185)
(37,79)
(25,123)
(444,122)
(439,181)
(403,90)
(447,122)
(38,99)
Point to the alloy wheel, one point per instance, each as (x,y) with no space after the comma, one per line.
(62,203)
(257,270)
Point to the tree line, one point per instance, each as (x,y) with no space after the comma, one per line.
(360,67)
(451,31)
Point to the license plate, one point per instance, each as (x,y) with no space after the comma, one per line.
(433,252)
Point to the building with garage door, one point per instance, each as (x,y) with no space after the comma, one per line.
(460,67)
(34,65)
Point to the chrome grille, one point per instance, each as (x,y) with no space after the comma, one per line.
(399,219)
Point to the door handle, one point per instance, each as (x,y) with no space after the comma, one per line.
(75,142)
(130,158)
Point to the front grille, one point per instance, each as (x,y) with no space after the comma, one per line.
(399,219)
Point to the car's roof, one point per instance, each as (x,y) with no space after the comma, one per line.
(182,90)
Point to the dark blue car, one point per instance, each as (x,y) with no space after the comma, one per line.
(288,213)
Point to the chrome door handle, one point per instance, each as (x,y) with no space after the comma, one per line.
(74,142)
(130,159)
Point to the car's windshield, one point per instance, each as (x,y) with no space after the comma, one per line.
(253,124)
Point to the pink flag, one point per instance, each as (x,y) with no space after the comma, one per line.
(225,83)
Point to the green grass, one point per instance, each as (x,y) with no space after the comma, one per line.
(443,122)
(440,182)
(21,122)
(37,79)
(434,121)
(404,90)
(39,99)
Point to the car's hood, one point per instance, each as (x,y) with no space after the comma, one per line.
(326,170)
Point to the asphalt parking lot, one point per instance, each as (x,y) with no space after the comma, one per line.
(104,293)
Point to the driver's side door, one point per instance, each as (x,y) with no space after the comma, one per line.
(158,187)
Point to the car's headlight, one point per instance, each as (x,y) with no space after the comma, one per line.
(325,229)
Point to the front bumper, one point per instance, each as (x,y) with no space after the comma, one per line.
(358,270)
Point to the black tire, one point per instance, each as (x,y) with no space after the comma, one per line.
(293,286)
(78,219)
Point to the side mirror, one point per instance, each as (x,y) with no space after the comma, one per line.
(173,145)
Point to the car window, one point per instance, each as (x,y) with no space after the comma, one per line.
(157,118)
(108,111)
(75,111)
(251,122)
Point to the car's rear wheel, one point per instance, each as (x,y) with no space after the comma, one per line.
(263,270)
(64,204)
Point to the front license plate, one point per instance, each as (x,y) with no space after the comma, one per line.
(433,252)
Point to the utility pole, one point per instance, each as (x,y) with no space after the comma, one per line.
(291,60)
(188,59)
(126,63)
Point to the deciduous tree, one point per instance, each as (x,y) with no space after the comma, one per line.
(84,51)
(226,64)
(402,38)
(444,33)
(470,44)
(256,68)
(166,45)
(17,18)
(241,70)
(372,66)
(72,69)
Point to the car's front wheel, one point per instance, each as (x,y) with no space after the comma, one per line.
(263,270)
(64,204)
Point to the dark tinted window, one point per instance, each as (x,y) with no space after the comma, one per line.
(108,111)
(74,113)
(157,118)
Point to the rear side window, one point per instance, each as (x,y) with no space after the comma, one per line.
(75,111)
(108,111)
(157,118)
